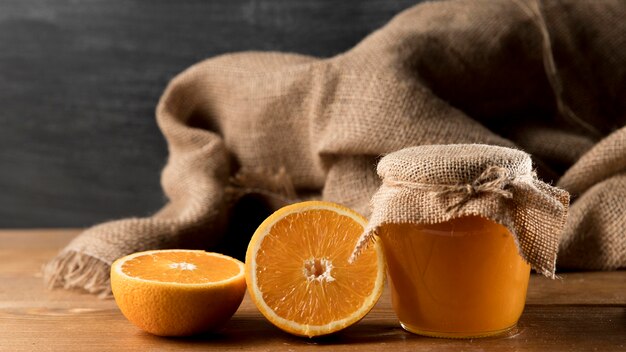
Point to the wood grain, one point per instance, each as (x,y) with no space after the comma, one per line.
(80,80)
(579,312)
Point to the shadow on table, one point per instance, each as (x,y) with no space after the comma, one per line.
(256,332)
(556,327)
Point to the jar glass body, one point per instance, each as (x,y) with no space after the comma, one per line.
(462,278)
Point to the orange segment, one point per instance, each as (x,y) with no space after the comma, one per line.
(178,292)
(298,273)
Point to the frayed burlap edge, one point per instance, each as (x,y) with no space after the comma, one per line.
(74,270)
(78,271)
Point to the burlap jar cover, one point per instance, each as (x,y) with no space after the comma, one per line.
(436,183)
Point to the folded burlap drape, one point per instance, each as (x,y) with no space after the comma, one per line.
(548,77)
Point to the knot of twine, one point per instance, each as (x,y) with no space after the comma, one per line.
(494,179)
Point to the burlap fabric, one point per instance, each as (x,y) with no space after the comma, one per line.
(546,77)
(435,183)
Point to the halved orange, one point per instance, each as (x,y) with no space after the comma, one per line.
(298,273)
(178,292)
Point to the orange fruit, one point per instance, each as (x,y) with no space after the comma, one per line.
(178,292)
(298,274)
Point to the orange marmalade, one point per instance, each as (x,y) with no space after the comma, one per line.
(461,278)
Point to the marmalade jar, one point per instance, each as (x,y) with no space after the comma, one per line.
(461,226)
(460,278)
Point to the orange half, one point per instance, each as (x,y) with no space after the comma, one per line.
(298,273)
(178,292)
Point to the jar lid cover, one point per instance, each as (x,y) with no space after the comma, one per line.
(451,164)
(437,183)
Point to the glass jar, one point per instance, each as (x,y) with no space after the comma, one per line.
(461,278)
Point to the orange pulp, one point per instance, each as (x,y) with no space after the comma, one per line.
(461,278)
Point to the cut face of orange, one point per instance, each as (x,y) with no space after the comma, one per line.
(178,292)
(298,273)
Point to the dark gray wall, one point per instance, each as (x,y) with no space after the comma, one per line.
(79,81)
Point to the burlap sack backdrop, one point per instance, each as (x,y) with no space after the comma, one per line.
(435,183)
(546,77)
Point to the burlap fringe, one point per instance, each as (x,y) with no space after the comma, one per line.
(74,270)
(367,239)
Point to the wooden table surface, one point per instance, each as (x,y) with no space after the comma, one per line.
(580,312)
